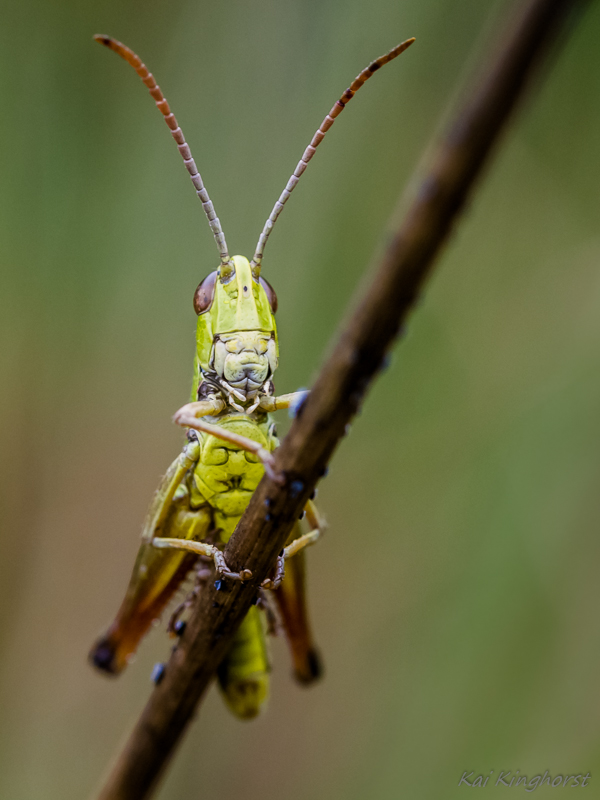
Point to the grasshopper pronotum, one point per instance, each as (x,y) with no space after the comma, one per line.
(230,443)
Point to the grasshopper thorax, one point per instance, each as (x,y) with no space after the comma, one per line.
(236,340)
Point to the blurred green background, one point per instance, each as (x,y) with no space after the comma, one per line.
(455,596)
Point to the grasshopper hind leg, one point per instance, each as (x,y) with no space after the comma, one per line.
(290,596)
(156,576)
(291,602)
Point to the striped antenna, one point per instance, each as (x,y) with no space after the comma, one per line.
(177,134)
(316,140)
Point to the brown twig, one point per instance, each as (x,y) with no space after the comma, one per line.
(370,330)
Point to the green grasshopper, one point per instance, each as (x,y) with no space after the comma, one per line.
(230,442)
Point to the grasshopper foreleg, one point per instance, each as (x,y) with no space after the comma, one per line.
(201,408)
(188,419)
(293,401)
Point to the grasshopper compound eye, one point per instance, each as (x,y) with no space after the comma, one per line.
(270,292)
(204,294)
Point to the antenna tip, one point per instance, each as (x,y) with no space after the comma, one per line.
(107,41)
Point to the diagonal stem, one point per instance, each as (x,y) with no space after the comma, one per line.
(397,276)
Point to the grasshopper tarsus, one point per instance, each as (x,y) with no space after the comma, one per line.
(275,582)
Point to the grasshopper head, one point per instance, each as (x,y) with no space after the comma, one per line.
(236,336)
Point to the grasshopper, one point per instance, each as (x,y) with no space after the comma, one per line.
(230,444)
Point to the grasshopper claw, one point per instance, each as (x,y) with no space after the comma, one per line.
(275,582)
(225,572)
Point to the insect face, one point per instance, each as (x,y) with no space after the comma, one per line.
(245,358)
(237,336)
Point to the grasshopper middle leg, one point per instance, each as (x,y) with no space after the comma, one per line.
(203,549)
(318,526)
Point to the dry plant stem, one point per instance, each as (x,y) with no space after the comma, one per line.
(370,330)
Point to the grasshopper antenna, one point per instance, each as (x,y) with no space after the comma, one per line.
(316,140)
(176,132)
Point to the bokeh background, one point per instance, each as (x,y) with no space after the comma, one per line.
(456,595)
